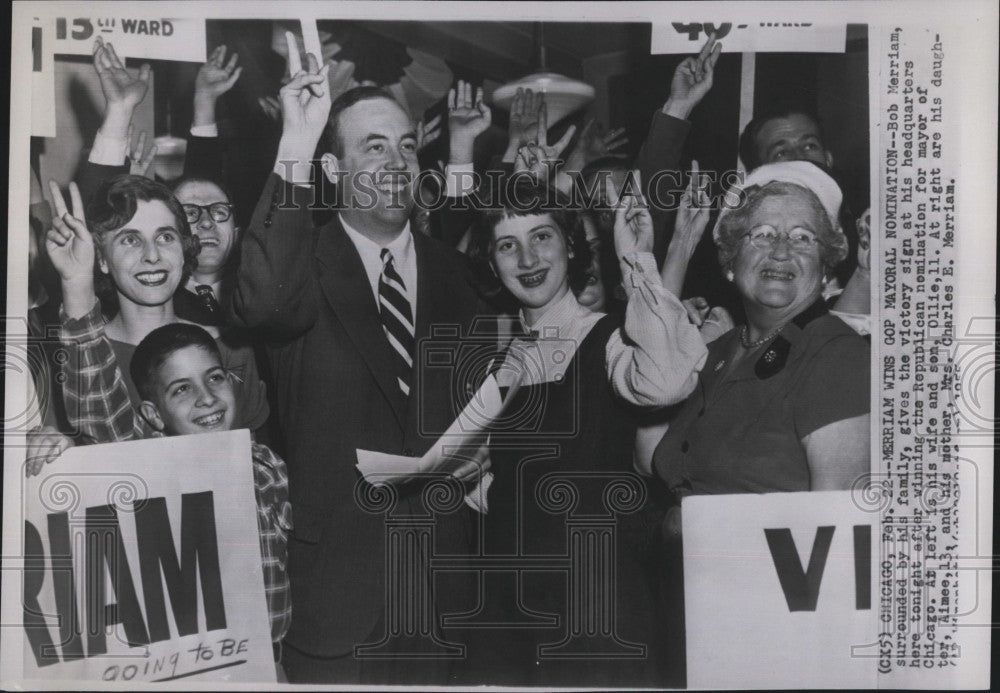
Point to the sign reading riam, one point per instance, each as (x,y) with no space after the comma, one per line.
(104,559)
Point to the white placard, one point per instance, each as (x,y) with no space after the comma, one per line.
(778,591)
(43,79)
(749,37)
(153,543)
(133,36)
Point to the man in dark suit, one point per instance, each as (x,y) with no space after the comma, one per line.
(343,308)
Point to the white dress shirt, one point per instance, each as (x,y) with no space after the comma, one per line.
(192,286)
(404,259)
(111,151)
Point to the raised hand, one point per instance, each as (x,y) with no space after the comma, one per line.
(120,88)
(593,144)
(633,224)
(609,144)
(692,80)
(217,76)
(340,77)
(693,213)
(271,107)
(523,124)
(44,445)
(538,157)
(68,242)
(140,158)
(468,117)
(428,133)
(689,227)
(305,106)
(305,100)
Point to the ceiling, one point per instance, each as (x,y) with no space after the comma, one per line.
(506,50)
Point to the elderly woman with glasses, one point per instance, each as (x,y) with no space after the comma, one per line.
(783,402)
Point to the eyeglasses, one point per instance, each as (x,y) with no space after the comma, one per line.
(765,237)
(218,211)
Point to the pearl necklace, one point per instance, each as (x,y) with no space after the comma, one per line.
(745,337)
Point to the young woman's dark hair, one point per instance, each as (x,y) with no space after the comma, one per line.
(522,197)
(111,208)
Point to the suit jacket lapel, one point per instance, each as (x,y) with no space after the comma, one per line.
(346,287)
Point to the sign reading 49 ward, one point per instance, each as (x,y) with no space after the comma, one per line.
(143,564)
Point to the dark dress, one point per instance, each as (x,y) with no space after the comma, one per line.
(572,432)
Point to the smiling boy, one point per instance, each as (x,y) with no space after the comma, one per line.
(178,371)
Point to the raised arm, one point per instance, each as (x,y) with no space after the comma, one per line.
(468,118)
(537,157)
(592,144)
(96,397)
(216,77)
(654,360)
(275,286)
(123,92)
(689,226)
(661,151)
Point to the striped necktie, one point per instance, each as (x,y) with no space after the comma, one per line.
(397,320)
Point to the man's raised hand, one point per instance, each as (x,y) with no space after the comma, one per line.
(305,106)
(692,80)
(468,117)
(217,76)
(121,89)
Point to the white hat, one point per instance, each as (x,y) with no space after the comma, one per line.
(803,173)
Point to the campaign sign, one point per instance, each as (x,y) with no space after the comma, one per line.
(778,590)
(43,80)
(143,563)
(749,37)
(133,36)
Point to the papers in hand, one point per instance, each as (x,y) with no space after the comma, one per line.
(459,451)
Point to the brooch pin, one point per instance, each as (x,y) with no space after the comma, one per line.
(769,356)
(720,365)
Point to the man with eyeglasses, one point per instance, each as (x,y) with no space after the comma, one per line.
(210,214)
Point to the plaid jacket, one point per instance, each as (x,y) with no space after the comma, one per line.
(98,406)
